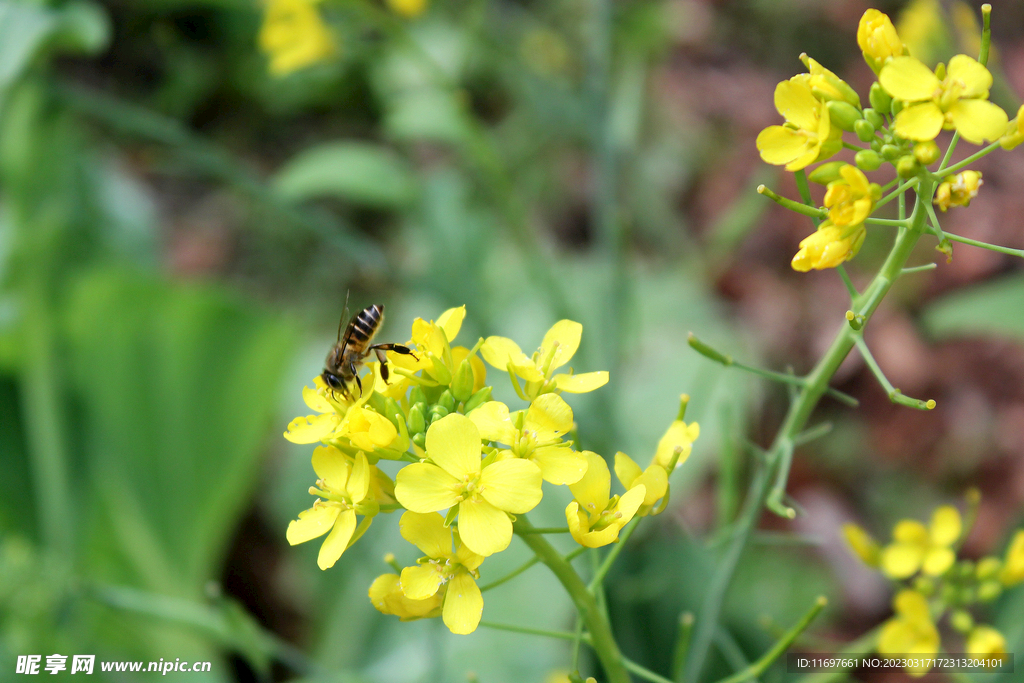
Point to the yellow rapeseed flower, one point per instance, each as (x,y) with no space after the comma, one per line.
(849,199)
(807,135)
(538,436)
(294,36)
(331,422)
(557,348)
(676,444)
(929,549)
(454,475)
(452,569)
(958,190)
(878,39)
(1013,568)
(595,517)
(985,641)
(654,480)
(434,354)
(1014,134)
(830,246)
(911,631)
(959,100)
(343,488)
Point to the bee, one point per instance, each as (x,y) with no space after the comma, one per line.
(347,355)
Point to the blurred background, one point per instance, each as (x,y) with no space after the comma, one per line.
(179,228)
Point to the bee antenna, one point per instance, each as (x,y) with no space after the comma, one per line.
(344,313)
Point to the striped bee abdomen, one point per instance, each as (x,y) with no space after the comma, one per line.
(364,326)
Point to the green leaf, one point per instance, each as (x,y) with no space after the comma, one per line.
(991,308)
(358,172)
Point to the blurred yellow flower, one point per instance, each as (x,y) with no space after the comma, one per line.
(294,36)
(654,480)
(344,490)
(1014,134)
(958,190)
(408,8)
(863,545)
(595,517)
(986,642)
(878,39)
(959,100)
(911,631)
(453,476)
(387,596)
(849,199)
(676,444)
(829,246)
(1013,567)
(915,547)
(454,570)
(807,135)
(557,348)
(539,439)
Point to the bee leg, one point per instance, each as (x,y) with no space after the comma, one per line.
(359,383)
(383,358)
(397,348)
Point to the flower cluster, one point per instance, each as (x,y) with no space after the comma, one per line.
(910,105)
(933,584)
(467,465)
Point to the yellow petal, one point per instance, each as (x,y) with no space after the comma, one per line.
(463,604)
(978,120)
(492,420)
(312,523)
(862,544)
(910,531)
(655,481)
(601,538)
(780,145)
(316,401)
(451,322)
(559,464)
(421,581)
(427,532)
(500,351)
(1013,565)
(381,588)
(907,79)
(311,429)
(912,605)
(581,384)
(425,487)
(901,561)
(483,528)
(566,335)
(549,416)
(986,641)
(937,561)
(946,526)
(511,485)
(336,541)
(797,104)
(332,466)
(629,503)
(626,470)
(972,74)
(359,481)
(577,521)
(919,121)
(369,430)
(679,437)
(453,443)
(593,490)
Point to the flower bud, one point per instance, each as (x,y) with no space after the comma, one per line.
(447,401)
(876,145)
(864,130)
(826,173)
(416,395)
(880,100)
(874,118)
(415,419)
(462,383)
(436,413)
(889,152)
(925,585)
(897,106)
(907,166)
(867,160)
(989,591)
(926,152)
(392,411)
(843,114)
(420,440)
(961,620)
(478,399)
(440,371)
(988,568)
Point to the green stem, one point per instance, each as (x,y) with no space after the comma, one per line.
(847,282)
(898,192)
(601,638)
(919,269)
(682,647)
(966,162)
(610,558)
(549,530)
(949,150)
(644,672)
(560,635)
(895,395)
(799,412)
(984,245)
(511,575)
(806,210)
(759,667)
(886,221)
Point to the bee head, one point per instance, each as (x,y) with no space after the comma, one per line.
(333,381)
